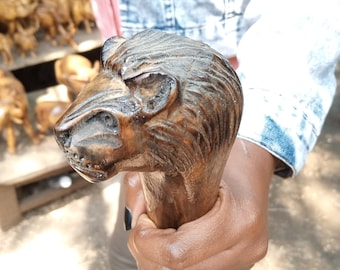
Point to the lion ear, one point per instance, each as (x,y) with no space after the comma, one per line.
(109,47)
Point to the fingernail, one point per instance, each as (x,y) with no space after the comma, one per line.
(127,219)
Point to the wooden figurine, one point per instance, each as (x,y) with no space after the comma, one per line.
(47,113)
(56,21)
(81,11)
(45,14)
(67,35)
(49,107)
(6,44)
(74,71)
(25,39)
(13,109)
(11,14)
(12,10)
(165,106)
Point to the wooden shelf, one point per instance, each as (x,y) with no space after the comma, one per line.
(46,52)
(31,162)
(32,165)
(49,193)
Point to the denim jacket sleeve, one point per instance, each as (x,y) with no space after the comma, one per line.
(215,22)
(287,59)
(287,52)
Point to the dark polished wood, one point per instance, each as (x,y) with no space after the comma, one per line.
(165,106)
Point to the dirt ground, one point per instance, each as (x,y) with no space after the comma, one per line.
(304,217)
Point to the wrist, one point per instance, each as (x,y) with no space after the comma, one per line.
(249,169)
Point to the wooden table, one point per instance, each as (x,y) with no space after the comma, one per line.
(41,165)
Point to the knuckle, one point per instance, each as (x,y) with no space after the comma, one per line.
(257,241)
(257,248)
(140,233)
(255,222)
(176,255)
(261,249)
(137,237)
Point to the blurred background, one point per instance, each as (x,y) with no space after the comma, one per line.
(50,218)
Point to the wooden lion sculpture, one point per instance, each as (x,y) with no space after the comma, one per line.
(165,106)
(13,109)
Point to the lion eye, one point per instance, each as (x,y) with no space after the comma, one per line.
(145,85)
(153,90)
(149,86)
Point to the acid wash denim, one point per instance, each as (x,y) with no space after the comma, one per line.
(287,52)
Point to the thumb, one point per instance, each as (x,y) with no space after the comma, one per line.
(134,199)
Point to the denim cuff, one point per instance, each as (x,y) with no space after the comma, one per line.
(282,127)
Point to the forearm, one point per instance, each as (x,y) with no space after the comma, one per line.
(253,165)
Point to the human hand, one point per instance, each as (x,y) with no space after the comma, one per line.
(232,235)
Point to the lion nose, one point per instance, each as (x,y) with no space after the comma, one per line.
(63,138)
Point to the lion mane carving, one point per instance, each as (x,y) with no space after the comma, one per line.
(164,105)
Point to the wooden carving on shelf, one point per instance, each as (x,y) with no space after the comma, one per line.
(61,18)
(25,38)
(47,113)
(6,44)
(165,106)
(13,10)
(57,20)
(81,11)
(13,109)
(12,14)
(74,71)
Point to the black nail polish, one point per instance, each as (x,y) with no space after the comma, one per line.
(127,219)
